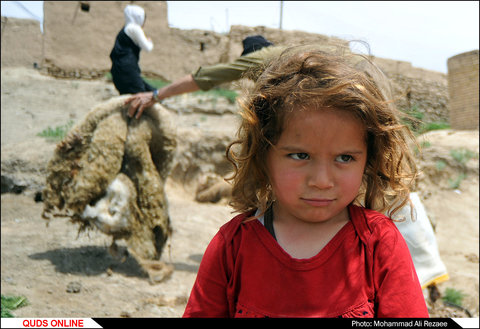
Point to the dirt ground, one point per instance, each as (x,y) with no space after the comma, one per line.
(65,275)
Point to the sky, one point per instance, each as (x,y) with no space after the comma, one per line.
(424,33)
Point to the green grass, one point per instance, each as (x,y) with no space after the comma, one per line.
(435,126)
(57,133)
(230,95)
(440,165)
(414,120)
(423,127)
(455,183)
(425,144)
(463,155)
(415,113)
(157,83)
(453,296)
(10,303)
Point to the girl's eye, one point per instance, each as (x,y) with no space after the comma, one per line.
(299,156)
(344,158)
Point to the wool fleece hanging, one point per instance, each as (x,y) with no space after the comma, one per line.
(109,173)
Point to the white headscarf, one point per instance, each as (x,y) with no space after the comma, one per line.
(134,14)
(134,19)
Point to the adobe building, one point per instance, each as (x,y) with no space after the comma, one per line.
(79,35)
(21,42)
(463,90)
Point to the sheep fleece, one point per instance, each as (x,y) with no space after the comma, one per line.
(109,163)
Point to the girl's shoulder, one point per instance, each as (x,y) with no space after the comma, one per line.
(371,224)
(230,228)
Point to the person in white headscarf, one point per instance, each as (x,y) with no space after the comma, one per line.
(125,54)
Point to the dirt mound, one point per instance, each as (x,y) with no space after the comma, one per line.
(447,158)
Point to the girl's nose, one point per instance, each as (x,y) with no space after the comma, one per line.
(320,176)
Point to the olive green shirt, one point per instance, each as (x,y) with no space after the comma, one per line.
(210,76)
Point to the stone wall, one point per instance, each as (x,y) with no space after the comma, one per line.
(463,90)
(421,95)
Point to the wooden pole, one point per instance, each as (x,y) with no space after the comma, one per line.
(281,14)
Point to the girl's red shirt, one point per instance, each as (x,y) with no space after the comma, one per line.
(365,271)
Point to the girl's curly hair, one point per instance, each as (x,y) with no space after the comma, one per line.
(306,77)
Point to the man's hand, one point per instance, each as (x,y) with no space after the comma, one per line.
(139,102)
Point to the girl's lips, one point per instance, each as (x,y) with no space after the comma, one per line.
(318,202)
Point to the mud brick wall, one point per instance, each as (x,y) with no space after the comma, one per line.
(79,35)
(463,90)
(77,43)
(21,42)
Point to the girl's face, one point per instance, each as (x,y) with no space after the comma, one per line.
(316,168)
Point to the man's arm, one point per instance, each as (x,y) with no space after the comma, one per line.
(140,101)
(204,79)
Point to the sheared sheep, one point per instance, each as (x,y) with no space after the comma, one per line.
(109,173)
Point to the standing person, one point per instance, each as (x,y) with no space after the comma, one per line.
(318,139)
(256,51)
(126,53)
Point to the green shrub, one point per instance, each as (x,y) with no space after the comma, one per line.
(434,126)
(453,296)
(414,119)
(463,155)
(440,165)
(10,303)
(57,133)
(425,144)
(455,183)
(415,113)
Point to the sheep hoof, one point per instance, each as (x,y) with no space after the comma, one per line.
(158,271)
(116,253)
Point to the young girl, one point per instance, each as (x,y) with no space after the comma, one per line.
(318,139)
